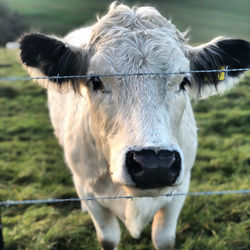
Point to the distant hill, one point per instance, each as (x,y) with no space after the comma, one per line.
(206,18)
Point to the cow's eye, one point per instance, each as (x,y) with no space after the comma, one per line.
(97,83)
(185,82)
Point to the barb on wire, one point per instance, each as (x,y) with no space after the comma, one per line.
(27,78)
(52,200)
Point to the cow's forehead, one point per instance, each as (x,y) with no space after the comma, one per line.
(139,51)
(129,41)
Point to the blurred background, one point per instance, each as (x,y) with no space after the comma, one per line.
(205,18)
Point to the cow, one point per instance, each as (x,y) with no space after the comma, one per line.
(125,131)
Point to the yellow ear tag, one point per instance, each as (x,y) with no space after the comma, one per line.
(221,75)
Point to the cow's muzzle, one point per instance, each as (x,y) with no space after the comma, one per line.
(149,169)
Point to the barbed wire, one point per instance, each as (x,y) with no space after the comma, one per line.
(53,200)
(28,78)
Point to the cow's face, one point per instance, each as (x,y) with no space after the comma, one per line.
(137,120)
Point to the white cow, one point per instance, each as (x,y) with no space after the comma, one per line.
(130,135)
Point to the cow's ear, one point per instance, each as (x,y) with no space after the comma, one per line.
(48,56)
(220,53)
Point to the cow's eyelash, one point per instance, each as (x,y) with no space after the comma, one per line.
(185,82)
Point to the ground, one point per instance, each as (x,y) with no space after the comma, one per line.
(32,167)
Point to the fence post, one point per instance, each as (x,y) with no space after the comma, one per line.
(1,232)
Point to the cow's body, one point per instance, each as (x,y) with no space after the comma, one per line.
(130,135)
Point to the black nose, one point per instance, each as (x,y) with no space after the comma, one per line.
(149,169)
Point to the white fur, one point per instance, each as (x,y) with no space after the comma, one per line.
(96,129)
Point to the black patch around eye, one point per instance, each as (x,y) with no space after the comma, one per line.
(185,82)
(97,83)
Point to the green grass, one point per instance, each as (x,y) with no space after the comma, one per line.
(206,18)
(32,167)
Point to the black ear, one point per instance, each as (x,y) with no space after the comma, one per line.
(221,53)
(53,57)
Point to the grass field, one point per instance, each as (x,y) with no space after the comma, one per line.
(206,18)
(32,167)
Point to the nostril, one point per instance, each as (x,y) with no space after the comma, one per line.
(166,158)
(171,159)
(133,165)
(176,166)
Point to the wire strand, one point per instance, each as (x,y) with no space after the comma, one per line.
(27,78)
(53,200)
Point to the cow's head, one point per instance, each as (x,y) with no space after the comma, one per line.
(137,121)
